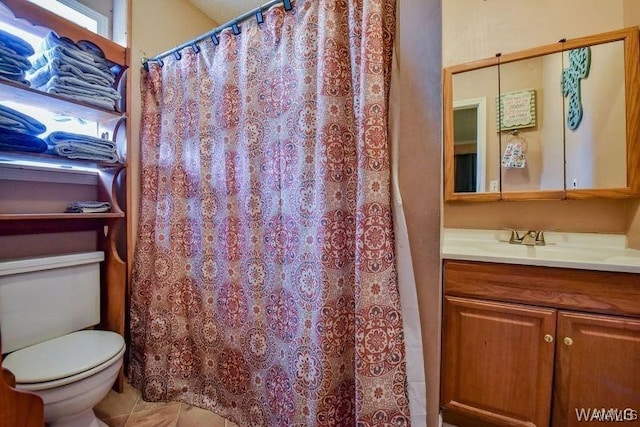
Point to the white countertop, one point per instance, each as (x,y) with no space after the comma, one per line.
(587,251)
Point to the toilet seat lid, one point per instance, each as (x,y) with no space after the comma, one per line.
(64,356)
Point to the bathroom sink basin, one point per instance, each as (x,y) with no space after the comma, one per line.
(570,250)
(544,252)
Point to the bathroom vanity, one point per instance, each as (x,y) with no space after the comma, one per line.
(539,336)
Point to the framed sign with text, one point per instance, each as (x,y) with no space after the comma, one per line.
(516,110)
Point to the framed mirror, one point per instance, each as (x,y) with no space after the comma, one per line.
(540,144)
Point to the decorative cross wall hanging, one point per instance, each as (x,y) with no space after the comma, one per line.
(579,64)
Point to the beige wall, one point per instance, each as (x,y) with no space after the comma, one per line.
(418,52)
(156,26)
(479,29)
(473,30)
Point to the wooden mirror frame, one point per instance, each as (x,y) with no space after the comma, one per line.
(632,94)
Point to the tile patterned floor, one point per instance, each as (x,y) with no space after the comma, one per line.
(127,409)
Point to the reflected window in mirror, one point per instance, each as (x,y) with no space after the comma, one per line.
(469,139)
(474,135)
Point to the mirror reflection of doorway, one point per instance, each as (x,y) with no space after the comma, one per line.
(469,136)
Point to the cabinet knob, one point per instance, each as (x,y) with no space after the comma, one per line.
(567,341)
(548,338)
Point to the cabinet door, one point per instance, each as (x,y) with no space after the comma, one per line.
(497,363)
(597,367)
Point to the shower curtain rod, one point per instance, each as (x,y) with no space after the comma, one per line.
(193,43)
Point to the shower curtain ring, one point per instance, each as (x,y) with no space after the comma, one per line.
(259,17)
(214,39)
(178,55)
(236,29)
(287,5)
(195,48)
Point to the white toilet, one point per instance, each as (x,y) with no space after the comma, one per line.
(45,305)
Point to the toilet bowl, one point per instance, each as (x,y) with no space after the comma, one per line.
(45,306)
(71,374)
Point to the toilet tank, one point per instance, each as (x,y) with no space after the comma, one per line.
(47,297)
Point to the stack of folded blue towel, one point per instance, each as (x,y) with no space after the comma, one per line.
(82,147)
(18,132)
(14,61)
(74,70)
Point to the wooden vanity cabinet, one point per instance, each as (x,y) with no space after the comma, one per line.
(530,346)
(597,366)
(497,367)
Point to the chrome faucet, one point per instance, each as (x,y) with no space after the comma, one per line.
(530,238)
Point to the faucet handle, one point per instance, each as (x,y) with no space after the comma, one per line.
(540,238)
(513,237)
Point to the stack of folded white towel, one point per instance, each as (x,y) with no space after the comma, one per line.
(14,57)
(74,70)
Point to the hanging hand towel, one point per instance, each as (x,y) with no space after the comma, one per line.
(514,155)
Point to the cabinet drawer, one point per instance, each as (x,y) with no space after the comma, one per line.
(584,290)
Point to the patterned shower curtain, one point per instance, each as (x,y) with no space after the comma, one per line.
(264,285)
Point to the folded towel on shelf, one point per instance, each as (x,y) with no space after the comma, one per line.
(88,207)
(85,46)
(76,152)
(76,86)
(62,136)
(9,56)
(16,44)
(57,67)
(13,65)
(77,58)
(84,147)
(97,100)
(11,72)
(52,40)
(21,81)
(11,140)
(19,122)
